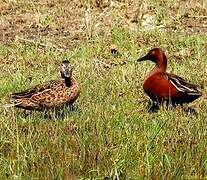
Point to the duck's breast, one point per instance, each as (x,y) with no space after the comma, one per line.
(159,85)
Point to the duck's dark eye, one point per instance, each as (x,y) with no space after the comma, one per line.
(153,53)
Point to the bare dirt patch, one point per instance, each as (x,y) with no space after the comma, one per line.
(70,23)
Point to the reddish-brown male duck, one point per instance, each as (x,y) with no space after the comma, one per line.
(162,87)
(50,95)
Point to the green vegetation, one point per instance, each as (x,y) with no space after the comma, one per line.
(109,132)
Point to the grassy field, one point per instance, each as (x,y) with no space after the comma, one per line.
(109,133)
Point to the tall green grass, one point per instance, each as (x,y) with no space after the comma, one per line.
(110,132)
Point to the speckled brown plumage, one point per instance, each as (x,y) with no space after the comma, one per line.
(50,95)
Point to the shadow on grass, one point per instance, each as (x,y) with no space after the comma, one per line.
(154,108)
(53,114)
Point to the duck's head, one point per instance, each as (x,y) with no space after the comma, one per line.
(66,69)
(155,55)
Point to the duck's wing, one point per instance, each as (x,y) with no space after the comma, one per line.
(34,90)
(183,86)
(49,97)
(56,96)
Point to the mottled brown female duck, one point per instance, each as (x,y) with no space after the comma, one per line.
(51,95)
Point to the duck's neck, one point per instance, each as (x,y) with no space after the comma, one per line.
(68,81)
(161,65)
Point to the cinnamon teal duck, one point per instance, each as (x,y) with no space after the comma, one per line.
(50,95)
(162,87)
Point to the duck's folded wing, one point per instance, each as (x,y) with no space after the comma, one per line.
(50,97)
(36,89)
(183,86)
(56,96)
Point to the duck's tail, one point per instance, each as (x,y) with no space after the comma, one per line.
(9,105)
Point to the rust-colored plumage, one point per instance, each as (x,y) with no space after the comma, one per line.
(161,86)
(50,95)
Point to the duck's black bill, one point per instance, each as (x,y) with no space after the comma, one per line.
(66,61)
(143,58)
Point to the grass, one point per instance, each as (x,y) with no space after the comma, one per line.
(110,132)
